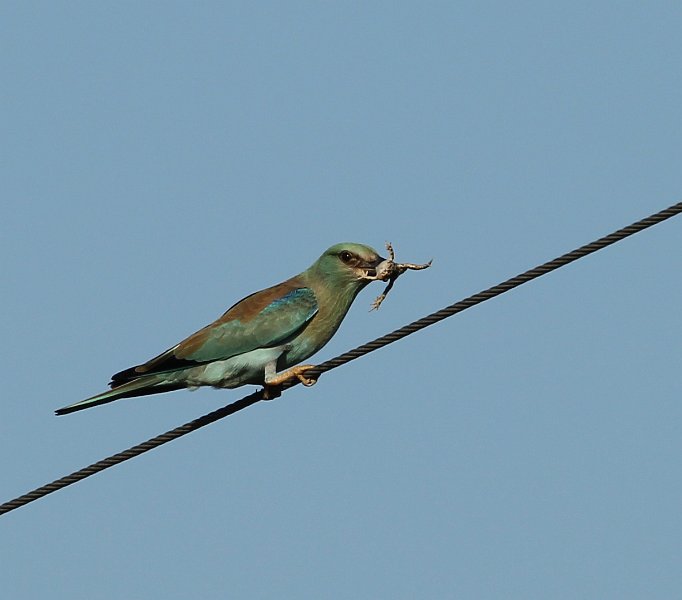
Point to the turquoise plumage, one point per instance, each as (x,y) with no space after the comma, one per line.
(259,339)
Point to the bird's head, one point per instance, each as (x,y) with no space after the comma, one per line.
(348,264)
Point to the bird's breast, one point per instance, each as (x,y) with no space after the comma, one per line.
(332,308)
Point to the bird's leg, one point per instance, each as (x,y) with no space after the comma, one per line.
(293,373)
(274,381)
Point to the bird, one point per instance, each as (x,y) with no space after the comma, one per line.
(259,340)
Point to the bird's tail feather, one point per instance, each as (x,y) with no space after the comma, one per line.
(143,386)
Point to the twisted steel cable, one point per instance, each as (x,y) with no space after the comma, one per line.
(498,289)
(346,357)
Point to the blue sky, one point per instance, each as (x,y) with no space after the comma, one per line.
(162,160)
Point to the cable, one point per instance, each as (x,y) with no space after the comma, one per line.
(346,357)
(496,290)
(115,459)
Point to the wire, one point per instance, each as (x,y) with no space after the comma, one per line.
(496,290)
(346,357)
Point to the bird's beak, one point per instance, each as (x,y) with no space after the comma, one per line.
(369,268)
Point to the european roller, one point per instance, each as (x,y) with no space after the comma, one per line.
(262,337)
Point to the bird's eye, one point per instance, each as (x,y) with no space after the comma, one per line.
(346,256)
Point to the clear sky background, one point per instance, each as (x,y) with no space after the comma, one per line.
(161,160)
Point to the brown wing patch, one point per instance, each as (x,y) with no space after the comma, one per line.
(172,359)
(245,310)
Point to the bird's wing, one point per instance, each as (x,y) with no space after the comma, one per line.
(261,320)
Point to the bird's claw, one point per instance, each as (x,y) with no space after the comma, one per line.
(273,387)
(389,270)
(306,381)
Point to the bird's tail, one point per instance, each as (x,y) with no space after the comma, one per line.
(142,386)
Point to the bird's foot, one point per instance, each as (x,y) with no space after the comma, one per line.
(273,385)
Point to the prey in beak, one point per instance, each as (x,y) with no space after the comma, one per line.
(386,269)
(371,270)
